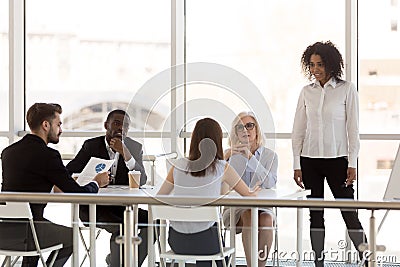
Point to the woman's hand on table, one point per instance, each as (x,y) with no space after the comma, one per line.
(298,178)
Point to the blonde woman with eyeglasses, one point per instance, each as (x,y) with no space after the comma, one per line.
(257,166)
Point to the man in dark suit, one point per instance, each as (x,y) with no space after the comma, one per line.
(127,155)
(29,165)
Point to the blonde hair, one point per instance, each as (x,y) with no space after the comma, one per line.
(233,138)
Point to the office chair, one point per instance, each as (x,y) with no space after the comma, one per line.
(22,210)
(87,248)
(191,214)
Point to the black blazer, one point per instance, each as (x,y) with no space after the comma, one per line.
(29,165)
(96,147)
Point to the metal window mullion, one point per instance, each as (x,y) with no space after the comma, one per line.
(351,39)
(177,58)
(16,68)
(173,78)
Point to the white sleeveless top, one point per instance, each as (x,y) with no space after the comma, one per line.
(187,185)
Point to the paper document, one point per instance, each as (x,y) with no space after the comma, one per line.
(93,167)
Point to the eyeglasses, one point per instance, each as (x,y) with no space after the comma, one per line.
(248,126)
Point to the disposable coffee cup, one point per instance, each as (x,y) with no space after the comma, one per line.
(134,179)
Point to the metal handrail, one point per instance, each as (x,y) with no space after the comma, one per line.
(117,199)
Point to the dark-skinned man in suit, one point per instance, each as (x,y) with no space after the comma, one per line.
(127,155)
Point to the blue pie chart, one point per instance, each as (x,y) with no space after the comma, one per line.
(99,167)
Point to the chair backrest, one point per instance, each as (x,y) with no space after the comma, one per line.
(186,214)
(17,210)
(22,210)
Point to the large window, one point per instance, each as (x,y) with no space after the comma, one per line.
(4,66)
(379,91)
(263,40)
(94,56)
(379,64)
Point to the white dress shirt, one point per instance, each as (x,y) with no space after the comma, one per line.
(326,122)
(130,164)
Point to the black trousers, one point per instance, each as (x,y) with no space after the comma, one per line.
(202,243)
(110,218)
(314,171)
(17,235)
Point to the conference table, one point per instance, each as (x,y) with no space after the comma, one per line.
(130,219)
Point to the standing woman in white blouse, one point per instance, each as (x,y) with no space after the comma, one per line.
(325,139)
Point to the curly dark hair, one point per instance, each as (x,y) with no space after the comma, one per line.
(330,56)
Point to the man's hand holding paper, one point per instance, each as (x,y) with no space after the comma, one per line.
(96,168)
